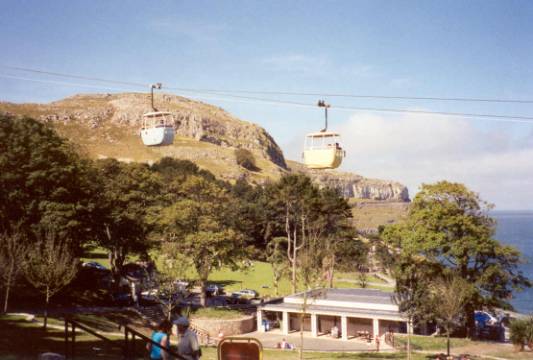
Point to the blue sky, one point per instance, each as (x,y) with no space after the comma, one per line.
(414,48)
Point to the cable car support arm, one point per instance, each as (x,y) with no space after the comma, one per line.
(322,103)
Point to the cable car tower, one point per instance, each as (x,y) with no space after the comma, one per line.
(157,126)
(322,150)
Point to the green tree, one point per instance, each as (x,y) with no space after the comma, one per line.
(50,267)
(44,182)
(127,191)
(449,226)
(173,265)
(199,223)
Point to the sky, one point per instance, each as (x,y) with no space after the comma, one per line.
(469,49)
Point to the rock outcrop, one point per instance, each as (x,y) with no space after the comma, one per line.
(356,186)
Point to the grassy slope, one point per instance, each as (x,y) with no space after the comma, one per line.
(124,143)
(370,214)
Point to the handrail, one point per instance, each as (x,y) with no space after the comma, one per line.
(200,332)
(127,351)
(72,338)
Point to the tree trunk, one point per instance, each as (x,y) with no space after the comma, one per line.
(293,277)
(409,327)
(302,317)
(330,277)
(8,287)
(47,301)
(203,298)
(447,341)
(276,285)
(470,322)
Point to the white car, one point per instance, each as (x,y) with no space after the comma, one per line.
(214,289)
(94,265)
(245,293)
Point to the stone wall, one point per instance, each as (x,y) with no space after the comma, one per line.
(229,327)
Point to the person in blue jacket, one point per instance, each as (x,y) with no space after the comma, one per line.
(160,336)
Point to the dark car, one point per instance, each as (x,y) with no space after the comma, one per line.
(121,299)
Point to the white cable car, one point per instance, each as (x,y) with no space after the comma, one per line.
(322,150)
(157,126)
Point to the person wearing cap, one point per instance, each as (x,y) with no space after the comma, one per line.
(188,346)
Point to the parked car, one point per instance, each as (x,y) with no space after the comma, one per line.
(245,293)
(121,299)
(214,290)
(93,265)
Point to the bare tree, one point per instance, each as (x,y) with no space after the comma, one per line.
(310,268)
(450,295)
(50,267)
(13,251)
(173,266)
(278,260)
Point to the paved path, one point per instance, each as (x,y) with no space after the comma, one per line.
(322,343)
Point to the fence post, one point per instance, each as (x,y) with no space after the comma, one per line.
(66,338)
(73,340)
(126,349)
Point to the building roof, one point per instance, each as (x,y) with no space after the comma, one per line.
(335,311)
(361,303)
(370,296)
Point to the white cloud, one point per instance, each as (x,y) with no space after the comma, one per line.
(493,161)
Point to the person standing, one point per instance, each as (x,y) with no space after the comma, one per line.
(188,346)
(160,336)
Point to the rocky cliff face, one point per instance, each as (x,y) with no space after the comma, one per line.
(356,186)
(107,125)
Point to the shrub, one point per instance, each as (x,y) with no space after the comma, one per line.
(522,332)
(246,159)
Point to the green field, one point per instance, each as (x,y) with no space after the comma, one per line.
(432,343)
(258,277)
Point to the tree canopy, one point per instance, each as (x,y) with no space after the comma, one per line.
(43,182)
(449,226)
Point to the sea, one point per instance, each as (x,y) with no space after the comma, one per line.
(516,228)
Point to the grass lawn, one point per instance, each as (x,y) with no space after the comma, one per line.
(432,343)
(259,278)
(211,313)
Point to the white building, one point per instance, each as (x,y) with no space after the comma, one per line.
(354,312)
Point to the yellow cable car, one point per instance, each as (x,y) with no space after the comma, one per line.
(323,150)
(157,126)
